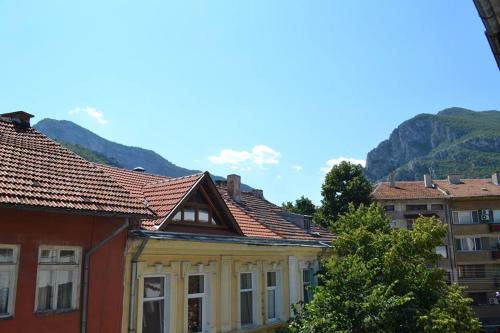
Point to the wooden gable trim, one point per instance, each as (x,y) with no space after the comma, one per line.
(220,203)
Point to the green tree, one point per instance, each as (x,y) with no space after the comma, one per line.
(385,280)
(302,205)
(344,184)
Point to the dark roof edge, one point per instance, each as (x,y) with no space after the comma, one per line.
(177,236)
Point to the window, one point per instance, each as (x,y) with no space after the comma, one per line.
(196,213)
(58,278)
(468,244)
(465,217)
(246,299)
(196,303)
(154,311)
(442,250)
(8,278)
(389,208)
(479,298)
(437,207)
(471,271)
(496,216)
(272,295)
(307,281)
(416,207)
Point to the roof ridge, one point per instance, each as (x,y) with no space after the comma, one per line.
(128,170)
(171,179)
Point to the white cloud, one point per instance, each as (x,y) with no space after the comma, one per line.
(278,177)
(259,155)
(240,168)
(335,161)
(297,168)
(90,111)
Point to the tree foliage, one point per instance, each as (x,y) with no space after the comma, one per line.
(302,205)
(344,184)
(385,280)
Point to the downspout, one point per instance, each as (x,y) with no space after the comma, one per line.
(86,264)
(133,278)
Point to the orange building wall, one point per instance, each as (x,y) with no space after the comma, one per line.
(30,229)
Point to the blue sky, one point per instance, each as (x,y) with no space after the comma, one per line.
(271,90)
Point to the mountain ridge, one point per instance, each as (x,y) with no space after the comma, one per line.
(455,140)
(93,147)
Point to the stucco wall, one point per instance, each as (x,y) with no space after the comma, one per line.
(30,229)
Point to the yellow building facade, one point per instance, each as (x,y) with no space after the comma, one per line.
(222,265)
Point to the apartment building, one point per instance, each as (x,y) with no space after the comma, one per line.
(471,250)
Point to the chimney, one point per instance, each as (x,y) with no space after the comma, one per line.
(495,178)
(454,179)
(428,181)
(258,193)
(392,181)
(19,117)
(234,187)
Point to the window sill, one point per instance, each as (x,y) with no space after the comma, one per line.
(55,312)
(258,328)
(6,317)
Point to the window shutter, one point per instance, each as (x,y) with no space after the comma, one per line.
(475,216)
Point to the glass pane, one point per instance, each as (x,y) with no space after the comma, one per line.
(469,244)
(271,304)
(48,256)
(246,281)
(203,215)
(307,293)
(306,274)
(154,287)
(246,308)
(6,255)
(496,216)
(195,314)
(195,284)
(441,250)
(177,216)
(464,218)
(271,279)
(153,317)
(4,292)
(45,290)
(64,290)
(213,221)
(188,214)
(67,256)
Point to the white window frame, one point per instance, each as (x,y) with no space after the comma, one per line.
(13,269)
(165,298)
(254,299)
(277,297)
(57,267)
(204,302)
(464,212)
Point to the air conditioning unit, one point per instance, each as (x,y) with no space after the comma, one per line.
(493,301)
(484,215)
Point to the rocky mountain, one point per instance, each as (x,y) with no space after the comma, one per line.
(455,140)
(97,149)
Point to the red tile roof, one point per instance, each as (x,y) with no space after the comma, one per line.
(272,217)
(36,171)
(256,217)
(442,190)
(406,190)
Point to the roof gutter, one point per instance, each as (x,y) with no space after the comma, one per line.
(86,265)
(133,281)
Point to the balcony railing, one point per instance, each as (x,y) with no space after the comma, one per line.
(495,254)
(494,227)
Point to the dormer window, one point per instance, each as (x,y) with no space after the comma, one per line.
(195,213)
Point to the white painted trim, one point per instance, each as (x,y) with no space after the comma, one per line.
(13,269)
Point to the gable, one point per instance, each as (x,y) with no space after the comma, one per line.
(201,210)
